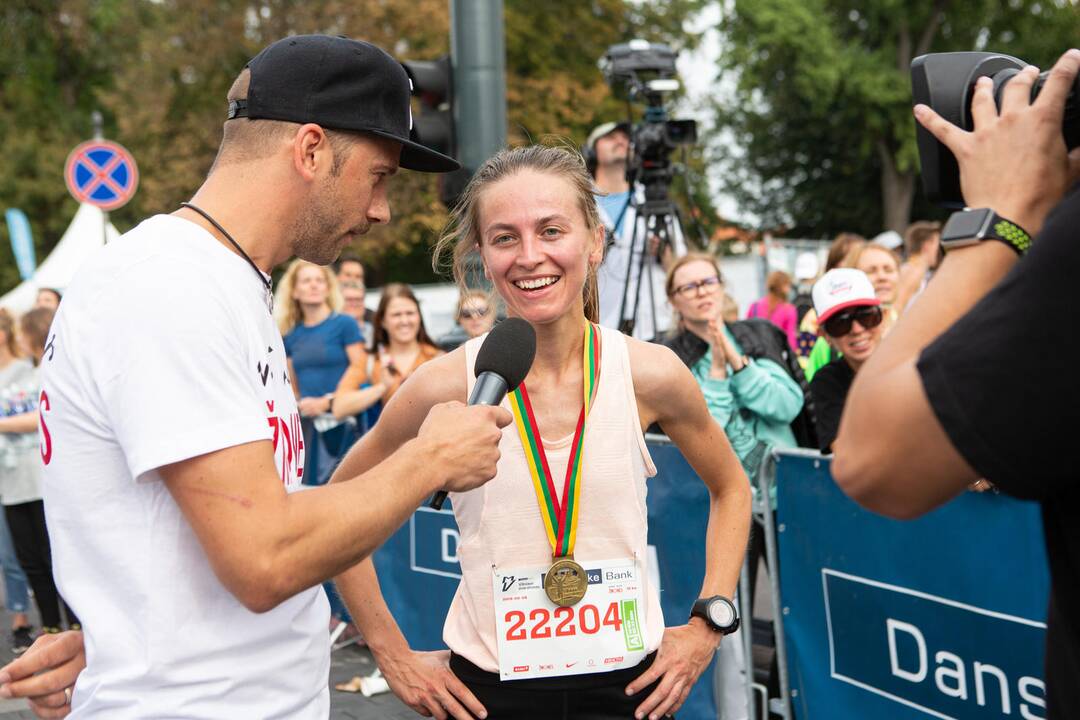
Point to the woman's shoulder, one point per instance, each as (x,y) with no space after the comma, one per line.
(430,352)
(653,366)
(341,320)
(441,378)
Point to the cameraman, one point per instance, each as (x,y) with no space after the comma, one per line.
(947,398)
(608,152)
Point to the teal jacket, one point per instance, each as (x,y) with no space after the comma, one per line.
(755,405)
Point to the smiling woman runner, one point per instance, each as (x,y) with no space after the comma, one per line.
(530,635)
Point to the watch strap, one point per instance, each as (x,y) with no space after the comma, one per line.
(1009,233)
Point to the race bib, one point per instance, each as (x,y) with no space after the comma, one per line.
(603,632)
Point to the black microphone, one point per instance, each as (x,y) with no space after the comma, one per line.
(501,365)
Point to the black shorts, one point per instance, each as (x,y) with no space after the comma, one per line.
(599,696)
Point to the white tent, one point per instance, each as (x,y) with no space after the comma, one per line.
(86,233)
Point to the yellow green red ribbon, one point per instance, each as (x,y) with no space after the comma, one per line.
(560,519)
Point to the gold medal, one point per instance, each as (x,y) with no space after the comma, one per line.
(566,582)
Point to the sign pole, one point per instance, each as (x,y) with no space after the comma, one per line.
(96,119)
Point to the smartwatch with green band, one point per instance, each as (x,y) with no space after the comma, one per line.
(971,226)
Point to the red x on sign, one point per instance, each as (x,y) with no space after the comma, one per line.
(101,173)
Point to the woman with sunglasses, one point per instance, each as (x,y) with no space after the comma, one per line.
(474,316)
(849,318)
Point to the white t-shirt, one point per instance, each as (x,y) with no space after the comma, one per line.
(619,257)
(163,350)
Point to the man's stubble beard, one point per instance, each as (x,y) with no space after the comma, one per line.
(316,232)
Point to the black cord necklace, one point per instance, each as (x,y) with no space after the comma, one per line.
(267,282)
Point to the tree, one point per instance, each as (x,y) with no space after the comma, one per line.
(159,71)
(821,112)
(54,56)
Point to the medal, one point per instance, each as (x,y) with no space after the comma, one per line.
(565,582)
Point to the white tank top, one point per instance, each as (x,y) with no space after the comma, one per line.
(500,522)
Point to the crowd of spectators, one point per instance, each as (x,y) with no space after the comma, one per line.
(25,553)
(765,378)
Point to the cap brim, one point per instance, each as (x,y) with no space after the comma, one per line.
(860,302)
(590,142)
(415,156)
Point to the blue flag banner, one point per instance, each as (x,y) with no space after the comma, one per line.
(22,242)
(943,616)
(419,573)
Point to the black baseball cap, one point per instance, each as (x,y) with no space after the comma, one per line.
(340,84)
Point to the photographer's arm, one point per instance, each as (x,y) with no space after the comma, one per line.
(893,454)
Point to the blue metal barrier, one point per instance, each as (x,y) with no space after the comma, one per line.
(418,569)
(942,616)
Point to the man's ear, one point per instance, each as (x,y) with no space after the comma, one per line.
(311,151)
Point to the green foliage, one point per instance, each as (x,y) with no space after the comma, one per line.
(821,110)
(159,70)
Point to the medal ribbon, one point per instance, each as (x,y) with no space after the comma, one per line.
(560,519)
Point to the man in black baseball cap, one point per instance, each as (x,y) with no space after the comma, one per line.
(340,84)
(168,400)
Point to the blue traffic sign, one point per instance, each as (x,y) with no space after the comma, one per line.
(101,173)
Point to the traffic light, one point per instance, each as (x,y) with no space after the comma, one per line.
(433,83)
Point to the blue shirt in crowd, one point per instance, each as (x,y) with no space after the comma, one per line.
(614,205)
(318,353)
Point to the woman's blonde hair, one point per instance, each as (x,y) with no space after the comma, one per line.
(287,311)
(462,234)
(465,296)
(669,284)
(857,253)
(841,249)
(7,326)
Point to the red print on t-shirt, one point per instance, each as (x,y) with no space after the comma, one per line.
(290,439)
(46,438)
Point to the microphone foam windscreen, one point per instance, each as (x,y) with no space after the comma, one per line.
(508,351)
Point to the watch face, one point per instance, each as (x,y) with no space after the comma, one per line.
(721,613)
(965,224)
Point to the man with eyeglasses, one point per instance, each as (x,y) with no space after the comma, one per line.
(849,318)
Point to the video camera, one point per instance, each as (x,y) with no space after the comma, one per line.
(646,72)
(946,82)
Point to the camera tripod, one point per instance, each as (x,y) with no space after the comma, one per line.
(656,216)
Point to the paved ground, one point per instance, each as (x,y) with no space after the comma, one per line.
(345,664)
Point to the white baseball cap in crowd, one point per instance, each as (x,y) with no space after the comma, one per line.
(842,288)
(889,239)
(605,129)
(806,266)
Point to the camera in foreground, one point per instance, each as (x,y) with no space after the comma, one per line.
(946,82)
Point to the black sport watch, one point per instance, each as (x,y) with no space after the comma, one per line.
(718,612)
(971,226)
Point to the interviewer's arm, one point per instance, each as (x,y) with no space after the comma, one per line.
(266,545)
(421,680)
(892,453)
